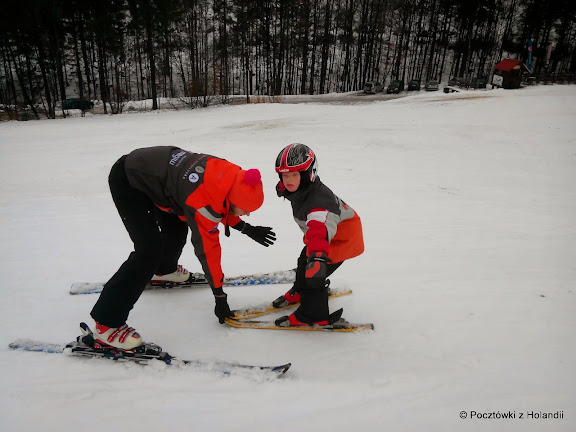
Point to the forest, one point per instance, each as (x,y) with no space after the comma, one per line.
(115,51)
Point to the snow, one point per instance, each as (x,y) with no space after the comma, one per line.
(468,202)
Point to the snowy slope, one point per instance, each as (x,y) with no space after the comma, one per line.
(468,202)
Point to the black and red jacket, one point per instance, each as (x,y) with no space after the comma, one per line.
(193,186)
(328,223)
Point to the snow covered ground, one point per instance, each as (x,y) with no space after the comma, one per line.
(468,202)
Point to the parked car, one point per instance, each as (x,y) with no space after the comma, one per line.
(478,82)
(458,81)
(432,85)
(450,89)
(373,87)
(78,103)
(414,85)
(395,87)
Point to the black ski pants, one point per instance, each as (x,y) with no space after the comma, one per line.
(313,302)
(158,239)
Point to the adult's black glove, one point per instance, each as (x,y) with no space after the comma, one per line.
(263,235)
(222,310)
(316,270)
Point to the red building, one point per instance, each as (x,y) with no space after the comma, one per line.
(508,73)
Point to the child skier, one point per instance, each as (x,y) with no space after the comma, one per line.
(332,234)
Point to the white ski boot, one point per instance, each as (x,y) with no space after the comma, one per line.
(181,275)
(123,337)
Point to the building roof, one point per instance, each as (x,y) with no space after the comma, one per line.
(508,64)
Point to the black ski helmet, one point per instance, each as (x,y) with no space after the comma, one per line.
(298,158)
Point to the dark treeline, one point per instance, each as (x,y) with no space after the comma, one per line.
(118,50)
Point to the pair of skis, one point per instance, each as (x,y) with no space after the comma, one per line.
(242,318)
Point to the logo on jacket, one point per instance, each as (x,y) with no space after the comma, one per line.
(199,169)
(214,230)
(193,178)
(176,157)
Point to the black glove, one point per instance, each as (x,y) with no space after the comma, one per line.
(316,270)
(222,310)
(263,235)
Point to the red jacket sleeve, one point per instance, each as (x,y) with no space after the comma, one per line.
(316,237)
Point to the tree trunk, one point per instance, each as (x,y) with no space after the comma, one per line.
(151,59)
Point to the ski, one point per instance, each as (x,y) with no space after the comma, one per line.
(145,354)
(339,326)
(197,280)
(266,308)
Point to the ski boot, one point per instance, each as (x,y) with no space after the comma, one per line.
(124,338)
(87,346)
(291,320)
(292,296)
(180,276)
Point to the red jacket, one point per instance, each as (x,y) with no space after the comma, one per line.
(328,223)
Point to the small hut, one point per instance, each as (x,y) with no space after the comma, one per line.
(508,73)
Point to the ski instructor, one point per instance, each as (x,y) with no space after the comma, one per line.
(160,192)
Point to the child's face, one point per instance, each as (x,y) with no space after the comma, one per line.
(291,181)
(237,211)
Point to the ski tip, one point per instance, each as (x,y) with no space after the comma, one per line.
(33,345)
(279,370)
